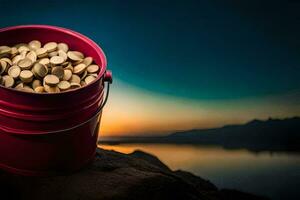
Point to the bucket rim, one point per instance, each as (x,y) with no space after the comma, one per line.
(69,32)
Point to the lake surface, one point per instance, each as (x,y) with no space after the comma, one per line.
(276,175)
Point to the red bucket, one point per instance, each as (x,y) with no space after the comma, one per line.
(44,134)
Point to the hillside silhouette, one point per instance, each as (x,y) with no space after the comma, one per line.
(272,134)
(256,135)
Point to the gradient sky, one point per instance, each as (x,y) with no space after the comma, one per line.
(185,64)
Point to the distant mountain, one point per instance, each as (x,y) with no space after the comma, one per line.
(256,135)
(273,134)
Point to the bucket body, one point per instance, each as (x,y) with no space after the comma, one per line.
(43,134)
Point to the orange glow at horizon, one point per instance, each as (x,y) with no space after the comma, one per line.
(132,111)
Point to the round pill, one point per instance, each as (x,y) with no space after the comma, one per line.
(59,72)
(70,67)
(92,68)
(79,54)
(7,60)
(82,83)
(65,64)
(53,53)
(75,55)
(41,52)
(16,59)
(39,89)
(40,70)
(78,69)
(36,83)
(75,79)
(67,74)
(89,79)
(64,85)
(32,56)
(77,62)
(25,63)
(45,61)
(4,50)
(56,60)
(23,54)
(75,85)
(87,61)
(23,48)
(27,89)
(51,89)
(62,54)
(26,76)
(51,80)
(19,86)
(34,44)
(8,81)
(3,66)
(50,46)
(63,46)
(83,75)
(14,71)
(14,51)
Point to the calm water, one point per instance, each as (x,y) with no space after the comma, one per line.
(274,175)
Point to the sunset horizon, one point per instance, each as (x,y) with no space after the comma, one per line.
(169,132)
(133,111)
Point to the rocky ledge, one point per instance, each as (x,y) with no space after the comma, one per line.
(112,176)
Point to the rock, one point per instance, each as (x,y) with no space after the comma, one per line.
(114,176)
(199,183)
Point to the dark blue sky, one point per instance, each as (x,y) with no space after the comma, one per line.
(198,49)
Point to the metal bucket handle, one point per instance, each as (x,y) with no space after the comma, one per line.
(106,78)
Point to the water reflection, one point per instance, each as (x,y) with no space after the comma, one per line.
(276,175)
